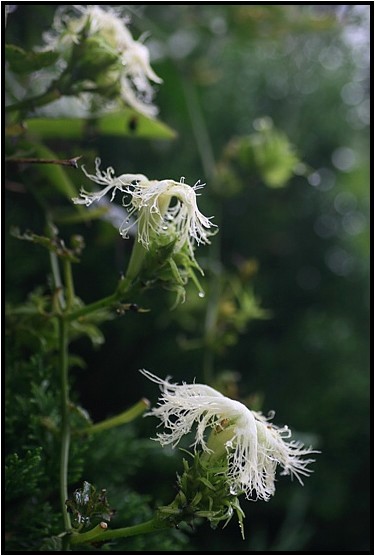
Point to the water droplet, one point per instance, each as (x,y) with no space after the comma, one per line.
(201,294)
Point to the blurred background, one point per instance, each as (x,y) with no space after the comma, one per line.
(270,108)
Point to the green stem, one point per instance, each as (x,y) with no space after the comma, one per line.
(57,281)
(200,131)
(96,306)
(124,288)
(202,139)
(98,534)
(65,425)
(34,102)
(124,417)
(71,162)
(69,285)
(137,258)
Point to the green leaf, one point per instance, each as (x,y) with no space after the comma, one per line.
(62,128)
(125,122)
(206,482)
(129,122)
(90,330)
(21,61)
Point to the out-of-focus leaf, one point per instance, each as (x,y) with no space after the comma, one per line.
(62,128)
(125,122)
(14,129)
(275,157)
(71,216)
(267,152)
(128,122)
(79,329)
(21,61)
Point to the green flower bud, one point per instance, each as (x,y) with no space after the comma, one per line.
(92,57)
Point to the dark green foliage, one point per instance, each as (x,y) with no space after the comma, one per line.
(22,475)
(29,523)
(116,461)
(32,405)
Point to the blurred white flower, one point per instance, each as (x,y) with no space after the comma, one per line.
(133,71)
(253,446)
(161,209)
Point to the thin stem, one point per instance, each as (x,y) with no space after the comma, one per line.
(98,534)
(57,280)
(72,162)
(69,285)
(201,134)
(124,417)
(124,288)
(96,306)
(65,426)
(202,139)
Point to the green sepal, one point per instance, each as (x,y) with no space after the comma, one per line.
(170,268)
(203,492)
(91,57)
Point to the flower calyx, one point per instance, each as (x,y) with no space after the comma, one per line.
(203,493)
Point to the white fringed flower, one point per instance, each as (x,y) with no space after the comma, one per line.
(149,202)
(133,71)
(151,205)
(253,445)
